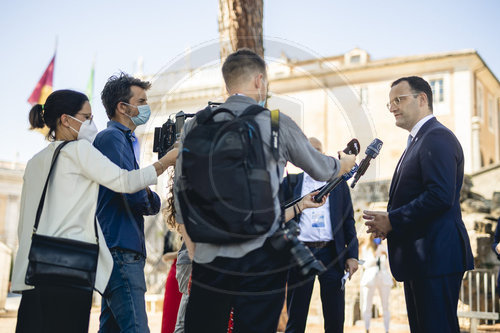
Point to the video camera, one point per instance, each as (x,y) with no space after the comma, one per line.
(166,135)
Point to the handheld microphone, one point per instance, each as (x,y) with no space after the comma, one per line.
(371,152)
(353,147)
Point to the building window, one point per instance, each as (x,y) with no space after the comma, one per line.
(479,102)
(437,90)
(355,59)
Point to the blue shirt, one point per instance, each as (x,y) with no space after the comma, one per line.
(121,215)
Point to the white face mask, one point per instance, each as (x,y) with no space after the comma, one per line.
(88,130)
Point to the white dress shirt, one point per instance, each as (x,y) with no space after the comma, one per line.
(71,200)
(419,124)
(315,224)
(413,134)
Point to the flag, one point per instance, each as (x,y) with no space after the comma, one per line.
(90,84)
(44,86)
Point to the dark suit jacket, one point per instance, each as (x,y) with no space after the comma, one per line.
(496,239)
(428,237)
(493,246)
(341,218)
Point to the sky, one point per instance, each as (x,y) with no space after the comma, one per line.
(116,33)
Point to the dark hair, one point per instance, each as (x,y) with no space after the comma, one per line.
(169,210)
(58,103)
(417,85)
(117,90)
(241,64)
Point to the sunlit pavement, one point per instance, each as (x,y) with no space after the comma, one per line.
(398,325)
(8,322)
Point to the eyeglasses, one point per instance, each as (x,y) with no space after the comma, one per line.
(397,100)
(87,116)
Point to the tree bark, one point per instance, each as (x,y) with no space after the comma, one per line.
(240,25)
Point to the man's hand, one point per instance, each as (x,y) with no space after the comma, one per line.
(498,248)
(351,266)
(377,223)
(308,201)
(346,162)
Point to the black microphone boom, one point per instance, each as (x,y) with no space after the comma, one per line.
(352,148)
(371,152)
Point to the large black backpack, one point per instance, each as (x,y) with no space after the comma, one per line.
(225,193)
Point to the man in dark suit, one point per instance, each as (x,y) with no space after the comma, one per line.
(429,248)
(330,234)
(496,249)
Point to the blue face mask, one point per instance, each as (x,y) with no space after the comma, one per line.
(143,116)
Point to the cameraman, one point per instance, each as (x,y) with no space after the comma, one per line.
(250,276)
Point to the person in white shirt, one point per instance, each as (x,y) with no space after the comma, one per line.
(330,234)
(376,275)
(69,208)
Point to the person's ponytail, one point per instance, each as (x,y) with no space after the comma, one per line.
(58,103)
(36,116)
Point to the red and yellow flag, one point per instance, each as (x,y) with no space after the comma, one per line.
(44,86)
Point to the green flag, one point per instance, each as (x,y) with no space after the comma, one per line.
(90,84)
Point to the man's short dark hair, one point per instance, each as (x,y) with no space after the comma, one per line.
(117,90)
(417,85)
(241,65)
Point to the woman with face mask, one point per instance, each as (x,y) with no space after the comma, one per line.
(69,209)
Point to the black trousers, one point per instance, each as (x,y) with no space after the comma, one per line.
(432,303)
(54,309)
(332,296)
(29,316)
(254,286)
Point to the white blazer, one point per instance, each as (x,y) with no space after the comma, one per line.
(71,200)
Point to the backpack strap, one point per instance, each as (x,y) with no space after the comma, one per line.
(202,116)
(275,122)
(254,110)
(208,114)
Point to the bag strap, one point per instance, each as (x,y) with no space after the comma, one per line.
(208,114)
(254,110)
(275,123)
(42,199)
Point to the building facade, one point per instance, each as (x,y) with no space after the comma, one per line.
(11,183)
(341,97)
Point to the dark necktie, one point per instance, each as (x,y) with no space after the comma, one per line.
(408,143)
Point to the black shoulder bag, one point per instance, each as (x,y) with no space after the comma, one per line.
(61,261)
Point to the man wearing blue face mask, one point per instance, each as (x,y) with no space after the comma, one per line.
(121,215)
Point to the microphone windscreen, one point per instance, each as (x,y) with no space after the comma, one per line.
(374,148)
(353,147)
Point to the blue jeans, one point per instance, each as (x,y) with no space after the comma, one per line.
(123,306)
